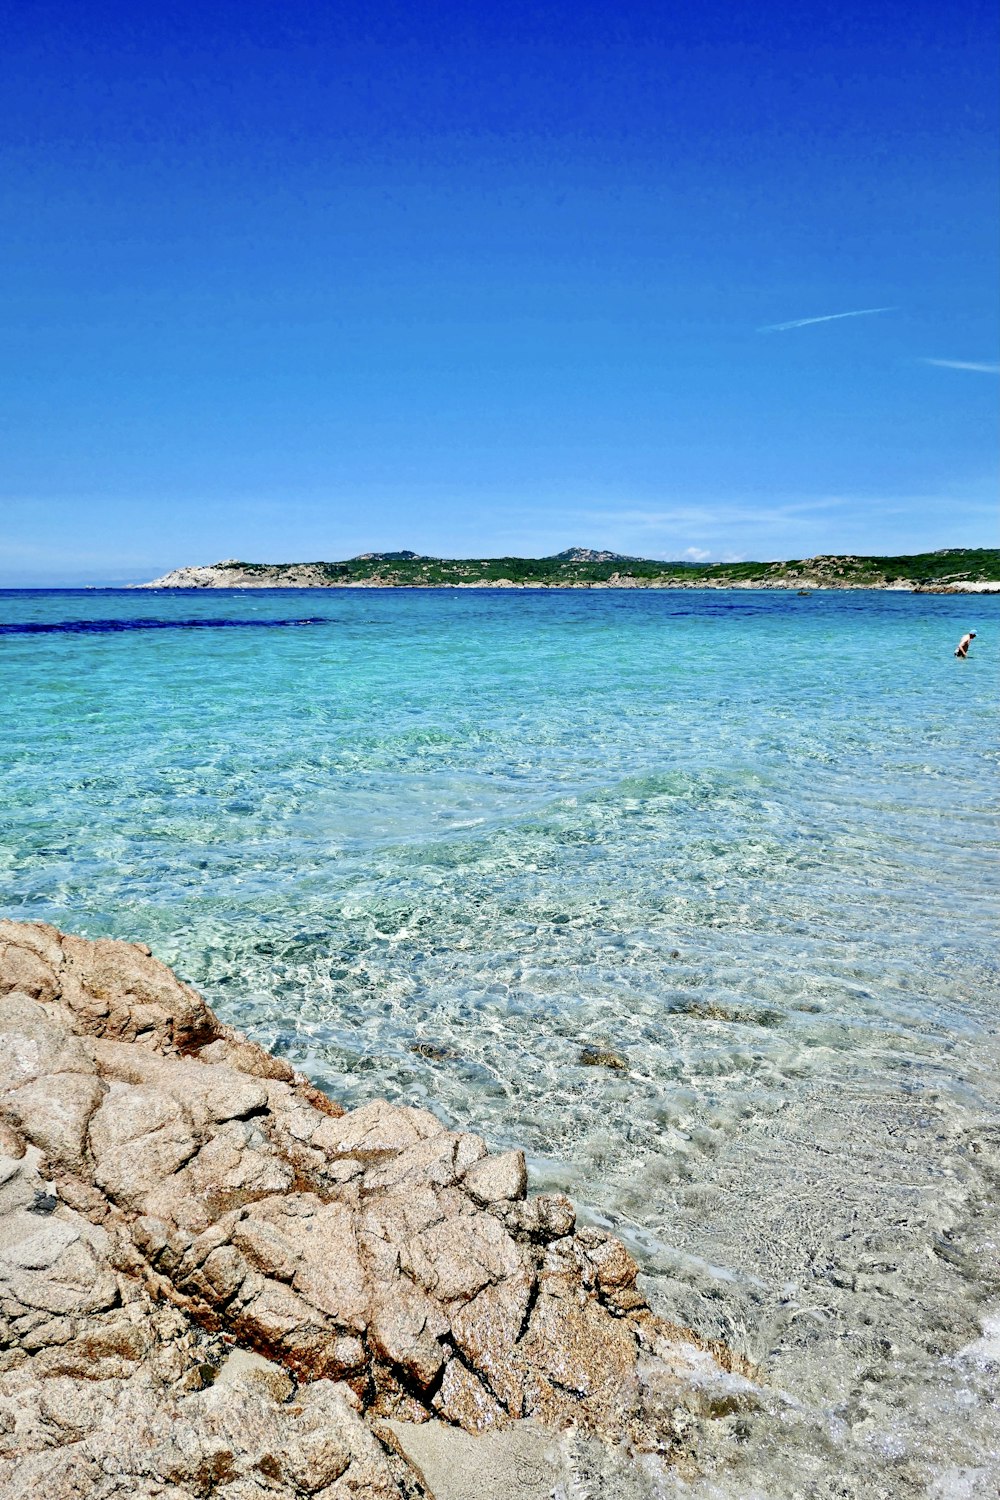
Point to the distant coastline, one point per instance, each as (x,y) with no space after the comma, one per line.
(949,571)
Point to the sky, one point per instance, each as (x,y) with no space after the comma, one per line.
(295,281)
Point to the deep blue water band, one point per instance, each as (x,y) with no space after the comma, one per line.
(115,627)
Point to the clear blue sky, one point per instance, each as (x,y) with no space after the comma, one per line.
(287,281)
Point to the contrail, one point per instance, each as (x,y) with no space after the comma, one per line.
(861,312)
(964,364)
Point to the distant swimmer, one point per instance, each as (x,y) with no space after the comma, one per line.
(962,649)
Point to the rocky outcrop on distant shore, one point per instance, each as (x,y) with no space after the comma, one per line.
(214,1280)
(231,574)
(958,588)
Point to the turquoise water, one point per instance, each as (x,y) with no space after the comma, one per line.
(432,845)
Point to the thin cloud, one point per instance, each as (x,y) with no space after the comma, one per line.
(860,312)
(964,364)
(711,515)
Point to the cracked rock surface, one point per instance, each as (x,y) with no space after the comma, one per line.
(214,1281)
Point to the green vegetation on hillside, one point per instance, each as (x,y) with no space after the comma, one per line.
(403,569)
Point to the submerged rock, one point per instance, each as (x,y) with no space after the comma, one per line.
(213,1279)
(602,1057)
(741,1015)
(432,1051)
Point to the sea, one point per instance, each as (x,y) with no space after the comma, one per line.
(446,846)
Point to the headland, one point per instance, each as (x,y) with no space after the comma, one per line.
(950,570)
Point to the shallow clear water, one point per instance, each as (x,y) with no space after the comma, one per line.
(432,845)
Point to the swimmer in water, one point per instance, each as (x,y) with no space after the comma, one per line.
(962,649)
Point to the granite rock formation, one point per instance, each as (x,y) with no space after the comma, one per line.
(214,1280)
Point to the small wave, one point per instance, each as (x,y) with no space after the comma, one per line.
(111,627)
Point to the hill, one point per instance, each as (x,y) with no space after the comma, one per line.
(952,569)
